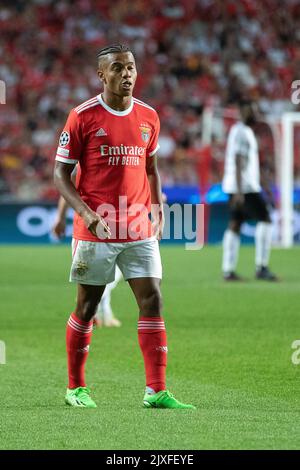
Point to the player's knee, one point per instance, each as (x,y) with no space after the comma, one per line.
(86,310)
(152,303)
(235,226)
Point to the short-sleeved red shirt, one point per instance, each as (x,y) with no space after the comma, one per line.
(111,148)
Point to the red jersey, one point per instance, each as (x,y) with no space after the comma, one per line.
(111,148)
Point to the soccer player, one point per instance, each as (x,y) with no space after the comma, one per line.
(114,139)
(242,182)
(104,315)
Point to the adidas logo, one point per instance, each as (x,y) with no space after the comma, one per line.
(100,133)
(162,348)
(85,349)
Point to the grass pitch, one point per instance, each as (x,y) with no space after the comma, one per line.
(229,354)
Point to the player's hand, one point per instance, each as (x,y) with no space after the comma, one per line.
(96,225)
(158,224)
(102,229)
(59,228)
(238,199)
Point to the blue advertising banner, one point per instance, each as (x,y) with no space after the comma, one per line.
(32,223)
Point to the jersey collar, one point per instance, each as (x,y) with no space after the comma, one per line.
(113,111)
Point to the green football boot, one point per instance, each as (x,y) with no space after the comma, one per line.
(80,398)
(165,399)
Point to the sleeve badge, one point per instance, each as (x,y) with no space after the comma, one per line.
(64,138)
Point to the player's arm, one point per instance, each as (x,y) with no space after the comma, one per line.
(59,227)
(65,186)
(241,155)
(157,211)
(239,196)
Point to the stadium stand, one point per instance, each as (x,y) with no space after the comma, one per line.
(190,54)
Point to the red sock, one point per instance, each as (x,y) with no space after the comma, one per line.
(78,339)
(153,343)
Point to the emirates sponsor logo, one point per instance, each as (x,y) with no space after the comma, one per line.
(121,150)
(122,155)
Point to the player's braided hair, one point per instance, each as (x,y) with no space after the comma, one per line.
(114,48)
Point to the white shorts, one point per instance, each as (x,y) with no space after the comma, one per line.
(95,262)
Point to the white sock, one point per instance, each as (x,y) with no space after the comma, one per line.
(263,242)
(231,245)
(104,308)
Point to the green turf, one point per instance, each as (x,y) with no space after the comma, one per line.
(229,354)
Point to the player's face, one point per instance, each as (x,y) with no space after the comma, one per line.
(118,73)
(249,114)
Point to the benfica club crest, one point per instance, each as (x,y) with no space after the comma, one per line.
(145,132)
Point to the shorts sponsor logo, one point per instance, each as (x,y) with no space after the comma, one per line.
(64,138)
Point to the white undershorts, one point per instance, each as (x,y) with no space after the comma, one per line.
(95,262)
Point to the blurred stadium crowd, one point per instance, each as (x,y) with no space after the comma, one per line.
(190,54)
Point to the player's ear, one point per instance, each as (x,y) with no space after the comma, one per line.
(101,75)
